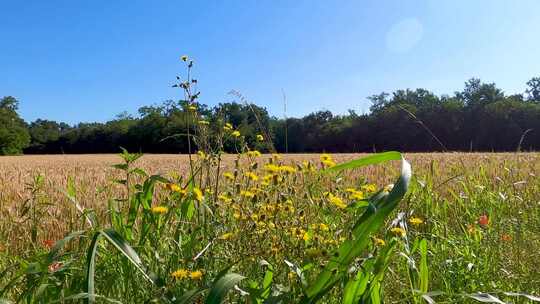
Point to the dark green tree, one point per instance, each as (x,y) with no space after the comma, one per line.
(14,136)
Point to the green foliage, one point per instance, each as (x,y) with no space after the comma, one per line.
(14,136)
(478,118)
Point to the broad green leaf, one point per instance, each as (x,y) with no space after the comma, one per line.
(221,287)
(365,161)
(119,243)
(189,296)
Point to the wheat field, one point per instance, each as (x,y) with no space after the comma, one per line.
(480,212)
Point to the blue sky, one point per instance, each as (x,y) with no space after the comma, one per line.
(90,60)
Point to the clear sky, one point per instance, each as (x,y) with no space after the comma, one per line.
(90,60)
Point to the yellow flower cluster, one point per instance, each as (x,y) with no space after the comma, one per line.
(183,274)
(253,153)
(252,176)
(159,210)
(228,175)
(355,194)
(327,161)
(369,188)
(335,200)
(197,194)
(398,231)
(416,221)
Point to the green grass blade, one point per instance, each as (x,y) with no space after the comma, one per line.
(117,241)
(424,274)
(365,161)
(189,296)
(222,286)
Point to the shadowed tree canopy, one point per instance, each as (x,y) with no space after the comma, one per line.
(478,118)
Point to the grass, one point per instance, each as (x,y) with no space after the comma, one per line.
(250,228)
(470,224)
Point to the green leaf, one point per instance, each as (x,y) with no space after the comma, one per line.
(369,160)
(53,254)
(222,286)
(189,296)
(424,275)
(119,243)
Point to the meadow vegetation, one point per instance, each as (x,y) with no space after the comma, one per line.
(247,227)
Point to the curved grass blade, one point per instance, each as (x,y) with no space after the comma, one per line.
(53,254)
(222,286)
(365,161)
(485,298)
(189,296)
(117,241)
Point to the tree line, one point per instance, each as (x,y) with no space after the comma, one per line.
(481,117)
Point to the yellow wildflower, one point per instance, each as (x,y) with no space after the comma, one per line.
(198,194)
(173,187)
(416,221)
(287,169)
(271,168)
(159,209)
(180,274)
(379,242)
(247,194)
(398,231)
(336,201)
(227,127)
(252,176)
(196,275)
(201,154)
(307,236)
(228,175)
(260,137)
(326,157)
(328,163)
(236,133)
(224,198)
(357,195)
(369,188)
(323,227)
(184,58)
(253,153)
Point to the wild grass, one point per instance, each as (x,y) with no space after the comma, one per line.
(251,228)
(452,194)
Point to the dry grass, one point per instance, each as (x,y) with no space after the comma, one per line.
(93,177)
(450,191)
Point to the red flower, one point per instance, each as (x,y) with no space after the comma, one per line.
(483,220)
(48,243)
(55,266)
